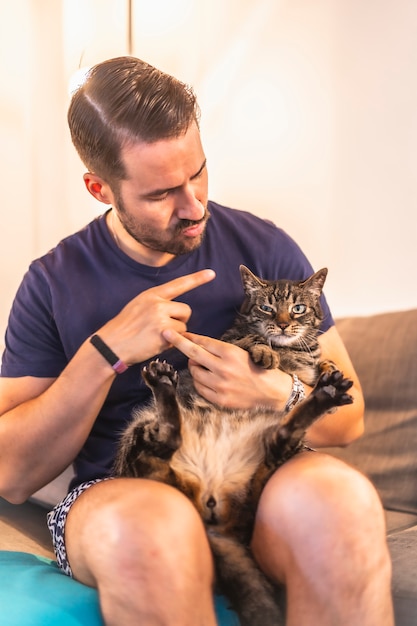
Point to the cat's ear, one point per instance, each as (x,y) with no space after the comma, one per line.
(316,281)
(250,281)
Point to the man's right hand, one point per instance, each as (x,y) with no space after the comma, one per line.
(135,334)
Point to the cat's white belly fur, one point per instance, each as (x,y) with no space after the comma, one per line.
(221,455)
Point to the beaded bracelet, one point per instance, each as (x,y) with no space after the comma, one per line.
(297,393)
(116,363)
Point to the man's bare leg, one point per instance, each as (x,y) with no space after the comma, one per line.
(321,530)
(144,547)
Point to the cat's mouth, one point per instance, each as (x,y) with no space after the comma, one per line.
(282,339)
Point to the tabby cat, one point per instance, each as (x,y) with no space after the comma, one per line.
(222,458)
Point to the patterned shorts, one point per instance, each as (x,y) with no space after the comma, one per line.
(57,518)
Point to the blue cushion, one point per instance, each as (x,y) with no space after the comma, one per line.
(34,592)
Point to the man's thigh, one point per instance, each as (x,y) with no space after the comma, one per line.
(121,513)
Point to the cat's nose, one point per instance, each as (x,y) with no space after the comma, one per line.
(211,502)
(283,325)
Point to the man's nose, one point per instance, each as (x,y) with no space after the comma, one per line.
(189,206)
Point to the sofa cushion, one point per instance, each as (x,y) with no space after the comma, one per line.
(403,549)
(383,349)
(34,592)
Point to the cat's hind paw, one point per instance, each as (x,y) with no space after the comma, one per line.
(158,372)
(331,390)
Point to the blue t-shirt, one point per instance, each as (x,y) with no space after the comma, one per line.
(74,289)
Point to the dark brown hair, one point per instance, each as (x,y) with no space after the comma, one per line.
(124,100)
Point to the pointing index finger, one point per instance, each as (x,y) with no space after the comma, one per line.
(191,349)
(178,286)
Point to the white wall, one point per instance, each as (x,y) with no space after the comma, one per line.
(309,118)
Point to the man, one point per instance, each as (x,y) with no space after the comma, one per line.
(136,279)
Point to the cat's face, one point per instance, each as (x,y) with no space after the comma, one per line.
(282,311)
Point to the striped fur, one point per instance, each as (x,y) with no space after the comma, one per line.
(222,458)
(279,321)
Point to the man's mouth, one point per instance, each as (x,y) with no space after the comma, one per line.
(195,230)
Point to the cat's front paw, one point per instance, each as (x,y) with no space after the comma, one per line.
(158,372)
(264,357)
(331,390)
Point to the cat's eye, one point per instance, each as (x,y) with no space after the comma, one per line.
(298,309)
(266,308)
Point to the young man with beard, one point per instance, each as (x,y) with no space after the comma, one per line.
(164,259)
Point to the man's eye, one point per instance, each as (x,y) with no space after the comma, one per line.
(159,197)
(298,309)
(266,308)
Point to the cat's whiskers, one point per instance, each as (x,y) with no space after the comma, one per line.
(305,345)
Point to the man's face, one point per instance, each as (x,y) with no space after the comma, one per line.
(162,204)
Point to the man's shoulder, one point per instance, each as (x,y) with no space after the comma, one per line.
(220,211)
(238,218)
(83,242)
(246,226)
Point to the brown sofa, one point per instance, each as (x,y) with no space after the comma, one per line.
(384,351)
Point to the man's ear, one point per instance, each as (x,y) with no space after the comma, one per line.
(98,188)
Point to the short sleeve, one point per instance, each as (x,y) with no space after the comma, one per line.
(32,343)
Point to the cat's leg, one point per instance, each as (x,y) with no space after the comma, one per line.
(165,434)
(327,366)
(240,579)
(154,433)
(329,392)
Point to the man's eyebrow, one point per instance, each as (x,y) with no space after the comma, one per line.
(160,192)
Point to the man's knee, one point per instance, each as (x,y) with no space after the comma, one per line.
(129,525)
(322,490)
(316,509)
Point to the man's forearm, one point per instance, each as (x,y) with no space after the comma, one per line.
(40,436)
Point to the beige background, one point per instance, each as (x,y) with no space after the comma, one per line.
(309,119)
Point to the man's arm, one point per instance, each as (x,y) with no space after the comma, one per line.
(347,423)
(224,373)
(45,422)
